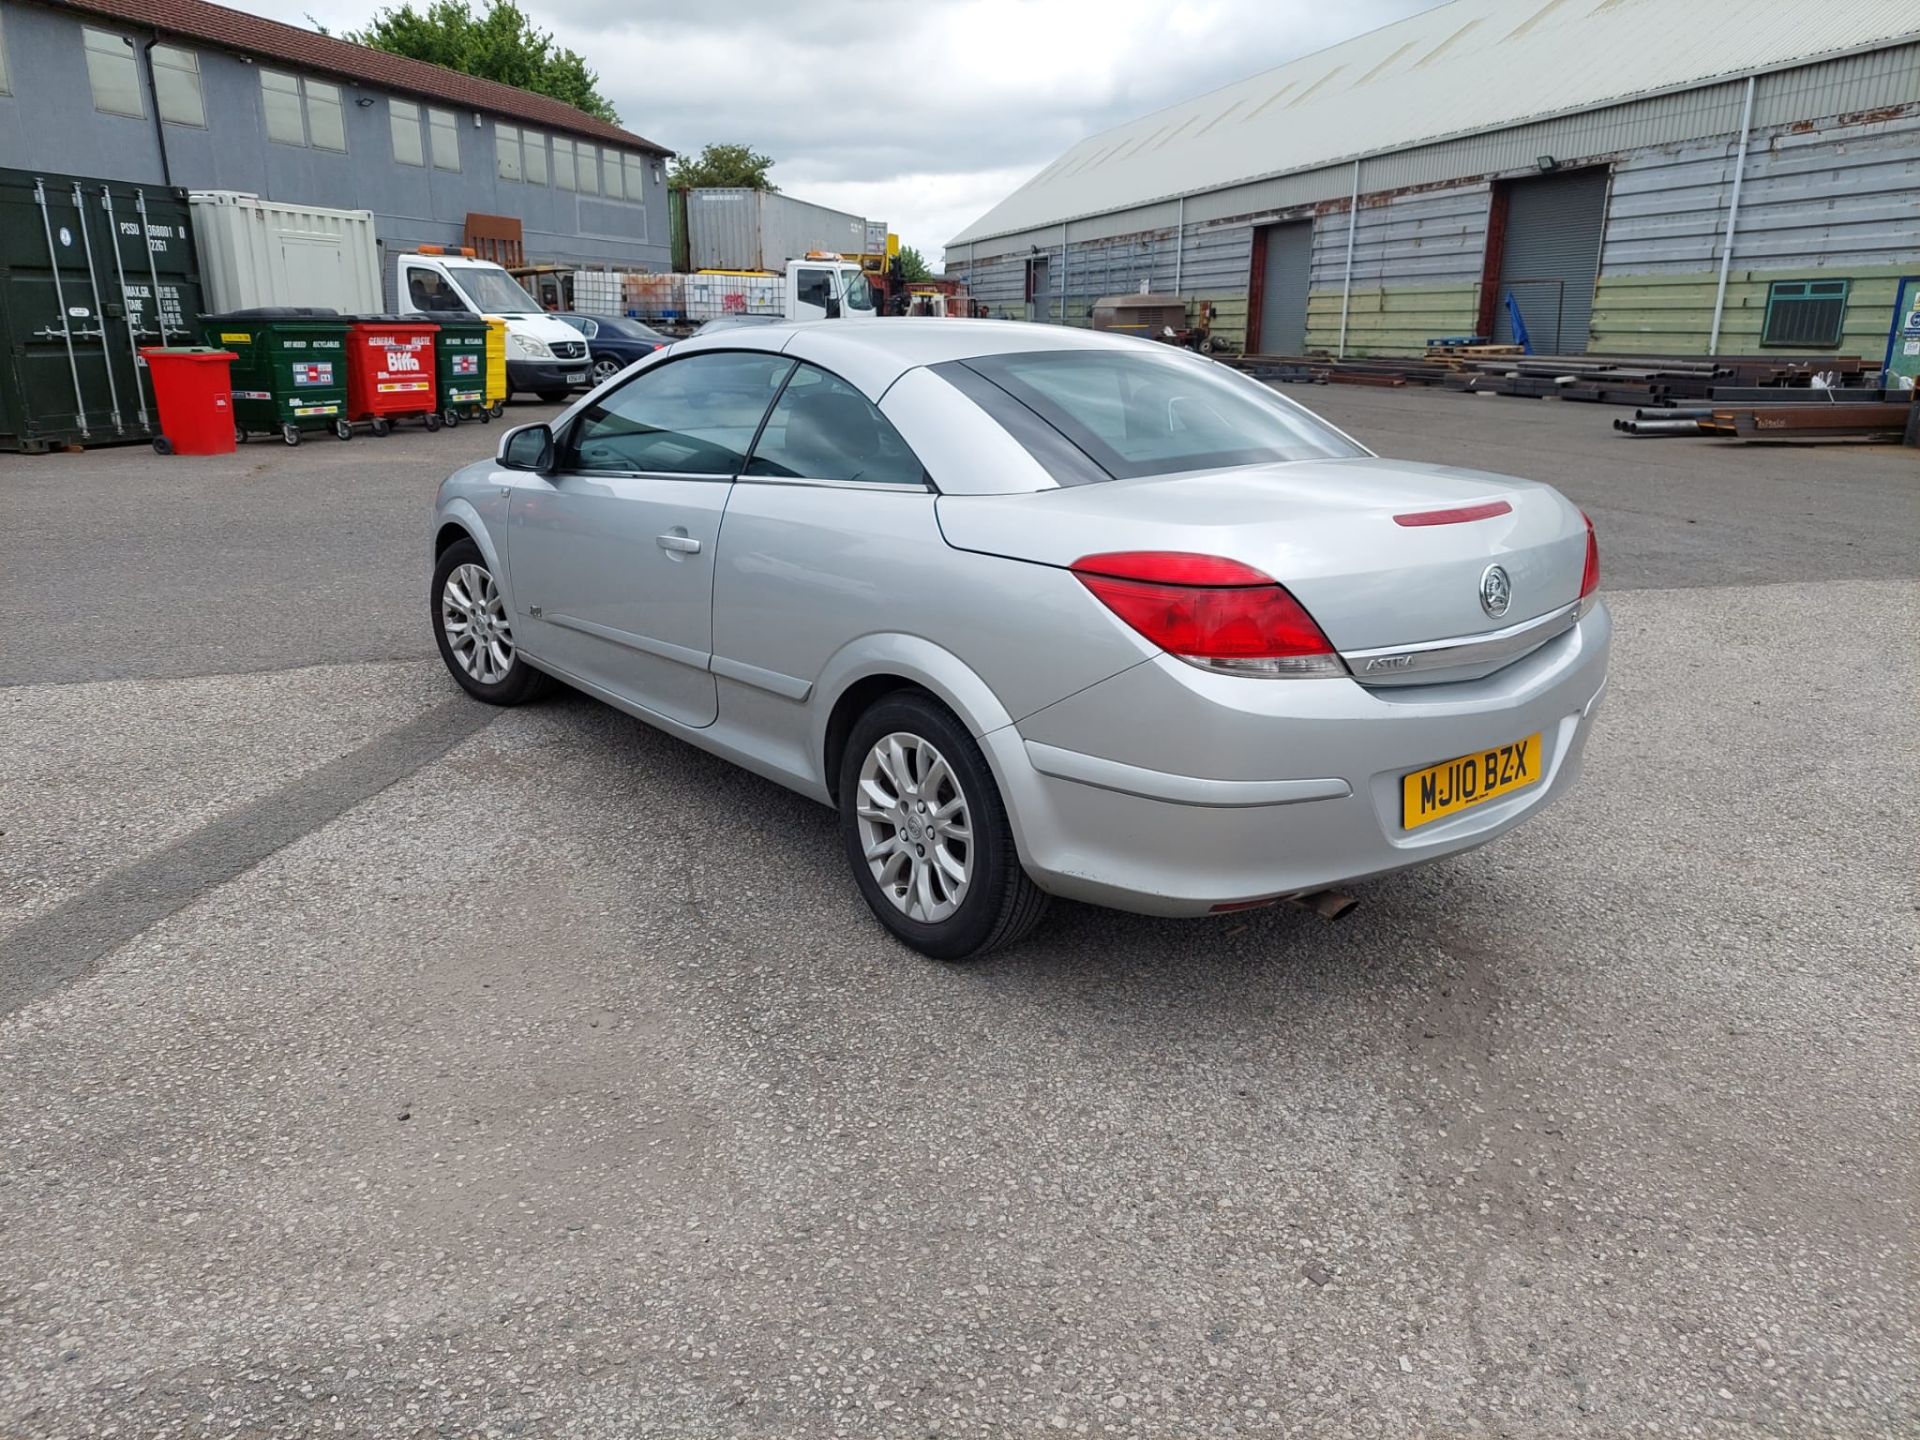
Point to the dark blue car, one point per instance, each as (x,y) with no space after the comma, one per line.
(614,341)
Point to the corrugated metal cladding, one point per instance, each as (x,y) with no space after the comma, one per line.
(1431,237)
(1551,258)
(1472,67)
(1842,197)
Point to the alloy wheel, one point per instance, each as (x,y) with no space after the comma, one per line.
(915,829)
(605,370)
(475,620)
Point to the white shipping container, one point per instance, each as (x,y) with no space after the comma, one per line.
(256,252)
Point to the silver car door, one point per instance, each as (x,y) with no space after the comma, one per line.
(612,555)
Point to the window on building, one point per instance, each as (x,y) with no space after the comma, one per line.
(176,86)
(563,163)
(588,168)
(326,122)
(6,85)
(403,116)
(535,146)
(610,174)
(636,178)
(506,152)
(1807,314)
(280,101)
(444,131)
(112,72)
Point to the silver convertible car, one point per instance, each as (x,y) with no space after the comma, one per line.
(1039,611)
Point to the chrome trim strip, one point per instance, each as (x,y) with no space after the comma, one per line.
(897,487)
(1407,664)
(787,687)
(1105,774)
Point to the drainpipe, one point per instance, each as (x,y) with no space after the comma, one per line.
(1179,242)
(1733,218)
(1063,272)
(159,125)
(1346,285)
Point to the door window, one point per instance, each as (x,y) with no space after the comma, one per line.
(695,416)
(815,287)
(824,429)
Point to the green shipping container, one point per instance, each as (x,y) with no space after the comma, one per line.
(289,370)
(90,271)
(460,351)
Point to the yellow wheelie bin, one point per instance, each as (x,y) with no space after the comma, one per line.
(496,366)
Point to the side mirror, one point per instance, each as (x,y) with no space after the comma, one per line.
(527,447)
(833,307)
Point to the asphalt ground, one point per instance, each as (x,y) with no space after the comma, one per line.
(375,1064)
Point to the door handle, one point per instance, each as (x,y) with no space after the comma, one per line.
(678,544)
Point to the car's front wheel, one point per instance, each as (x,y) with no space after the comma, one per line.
(927,835)
(470,624)
(605,370)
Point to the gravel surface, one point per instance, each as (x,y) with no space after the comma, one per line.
(565,1088)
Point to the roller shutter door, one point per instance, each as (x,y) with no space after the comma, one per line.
(1283,300)
(1550,259)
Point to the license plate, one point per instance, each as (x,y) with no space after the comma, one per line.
(576,377)
(1455,785)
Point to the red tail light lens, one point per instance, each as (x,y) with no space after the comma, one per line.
(1589,577)
(1211,612)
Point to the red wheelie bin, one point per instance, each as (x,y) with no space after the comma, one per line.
(390,372)
(194,396)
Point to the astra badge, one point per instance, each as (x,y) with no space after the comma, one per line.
(1496,591)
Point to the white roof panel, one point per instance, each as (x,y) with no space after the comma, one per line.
(1460,68)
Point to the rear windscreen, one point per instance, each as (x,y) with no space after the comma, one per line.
(1137,414)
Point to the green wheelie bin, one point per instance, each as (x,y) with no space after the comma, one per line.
(289,370)
(460,351)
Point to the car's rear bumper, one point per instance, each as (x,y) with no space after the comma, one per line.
(1169,790)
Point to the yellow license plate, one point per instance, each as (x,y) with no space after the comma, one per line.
(1455,785)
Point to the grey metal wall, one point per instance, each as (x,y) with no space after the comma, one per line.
(1430,237)
(1845,196)
(49,122)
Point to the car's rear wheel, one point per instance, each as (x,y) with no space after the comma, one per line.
(927,835)
(471,626)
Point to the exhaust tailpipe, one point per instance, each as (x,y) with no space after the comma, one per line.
(1329,905)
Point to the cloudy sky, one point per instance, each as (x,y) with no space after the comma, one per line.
(922,113)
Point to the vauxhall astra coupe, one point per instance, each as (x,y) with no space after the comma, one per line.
(1039,611)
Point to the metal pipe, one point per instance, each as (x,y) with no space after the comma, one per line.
(126,310)
(1327,904)
(1179,242)
(1346,284)
(1733,218)
(1063,272)
(60,299)
(159,125)
(153,271)
(99,314)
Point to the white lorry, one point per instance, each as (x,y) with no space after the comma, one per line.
(821,286)
(545,356)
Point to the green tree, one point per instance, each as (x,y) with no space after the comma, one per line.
(500,43)
(728,166)
(913,265)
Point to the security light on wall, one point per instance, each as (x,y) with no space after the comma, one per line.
(1547,164)
(365,102)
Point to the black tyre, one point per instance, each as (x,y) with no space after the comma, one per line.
(239,436)
(449,417)
(381,426)
(162,445)
(473,631)
(290,433)
(553,397)
(497,409)
(343,429)
(432,418)
(926,832)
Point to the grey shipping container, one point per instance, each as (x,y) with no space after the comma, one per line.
(761,230)
(90,271)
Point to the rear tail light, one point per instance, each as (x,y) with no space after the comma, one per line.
(1590,576)
(1211,612)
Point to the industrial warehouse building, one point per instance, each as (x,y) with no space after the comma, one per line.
(189,94)
(1588,158)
